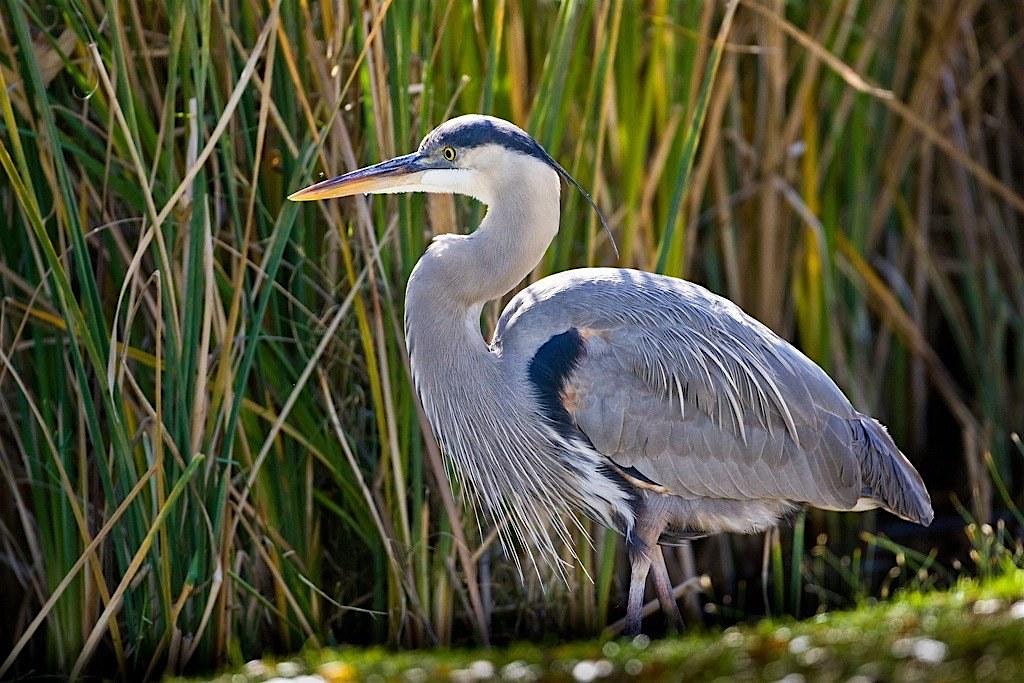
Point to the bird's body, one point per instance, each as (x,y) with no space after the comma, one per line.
(653,406)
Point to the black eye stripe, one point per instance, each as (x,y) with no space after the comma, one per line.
(485,132)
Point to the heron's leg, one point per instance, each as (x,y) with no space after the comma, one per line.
(690,605)
(639,565)
(642,547)
(663,585)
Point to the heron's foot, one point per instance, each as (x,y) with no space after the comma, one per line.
(676,625)
(633,623)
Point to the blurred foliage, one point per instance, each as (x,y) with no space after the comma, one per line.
(209,445)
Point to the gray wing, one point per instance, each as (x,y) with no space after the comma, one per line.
(683,386)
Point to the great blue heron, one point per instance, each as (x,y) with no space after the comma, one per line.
(650,404)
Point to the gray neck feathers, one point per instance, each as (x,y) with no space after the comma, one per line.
(460,273)
(506,458)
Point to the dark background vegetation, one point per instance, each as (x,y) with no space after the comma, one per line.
(209,446)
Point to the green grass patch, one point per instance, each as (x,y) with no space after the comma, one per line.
(973,630)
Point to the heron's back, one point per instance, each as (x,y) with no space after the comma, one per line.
(695,395)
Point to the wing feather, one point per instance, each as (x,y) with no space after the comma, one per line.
(685,387)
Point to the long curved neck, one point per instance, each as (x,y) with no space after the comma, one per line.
(510,242)
(458,274)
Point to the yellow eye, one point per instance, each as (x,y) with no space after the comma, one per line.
(448,153)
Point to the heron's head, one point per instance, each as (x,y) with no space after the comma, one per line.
(470,155)
(474,155)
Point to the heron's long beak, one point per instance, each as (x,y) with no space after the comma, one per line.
(401,174)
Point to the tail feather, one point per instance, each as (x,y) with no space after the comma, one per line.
(887,475)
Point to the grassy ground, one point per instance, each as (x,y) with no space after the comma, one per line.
(972,631)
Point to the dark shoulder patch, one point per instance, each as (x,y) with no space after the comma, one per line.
(549,369)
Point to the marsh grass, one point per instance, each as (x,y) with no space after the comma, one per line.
(209,445)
